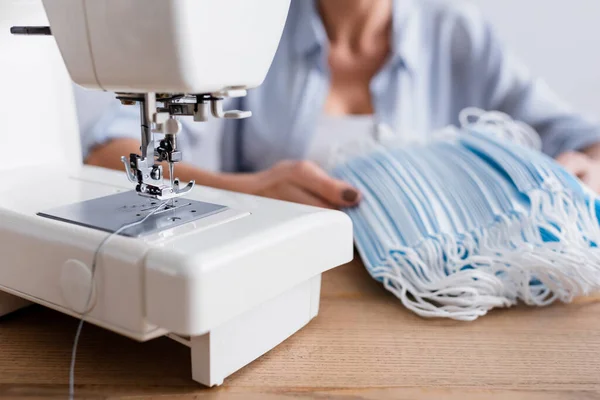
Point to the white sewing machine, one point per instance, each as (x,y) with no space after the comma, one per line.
(229,275)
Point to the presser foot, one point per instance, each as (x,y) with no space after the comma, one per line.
(149,180)
(164,192)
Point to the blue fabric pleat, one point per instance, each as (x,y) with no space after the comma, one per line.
(466,223)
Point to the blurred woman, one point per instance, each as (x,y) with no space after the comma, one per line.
(345,67)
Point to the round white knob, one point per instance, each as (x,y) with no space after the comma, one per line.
(77,286)
(172,126)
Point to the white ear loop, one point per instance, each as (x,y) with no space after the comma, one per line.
(501,125)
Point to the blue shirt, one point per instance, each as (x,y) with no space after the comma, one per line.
(444,57)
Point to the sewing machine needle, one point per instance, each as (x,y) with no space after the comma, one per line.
(172,178)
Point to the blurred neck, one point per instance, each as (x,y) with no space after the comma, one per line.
(356,24)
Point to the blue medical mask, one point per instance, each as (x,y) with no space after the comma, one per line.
(474,219)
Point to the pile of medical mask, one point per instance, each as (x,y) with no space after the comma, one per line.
(475,218)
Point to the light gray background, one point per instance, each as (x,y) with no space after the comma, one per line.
(558,39)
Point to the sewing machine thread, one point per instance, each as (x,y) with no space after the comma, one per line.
(94,266)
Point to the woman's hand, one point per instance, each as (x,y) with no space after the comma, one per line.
(585,165)
(297,181)
(302,182)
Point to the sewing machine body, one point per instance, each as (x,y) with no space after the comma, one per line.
(230,285)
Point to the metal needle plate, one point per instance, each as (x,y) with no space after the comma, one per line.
(111,212)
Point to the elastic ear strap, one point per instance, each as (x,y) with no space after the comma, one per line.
(501,125)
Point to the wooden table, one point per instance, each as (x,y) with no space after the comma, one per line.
(363,345)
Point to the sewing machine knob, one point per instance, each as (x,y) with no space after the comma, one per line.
(75,285)
(172,127)
(156,173)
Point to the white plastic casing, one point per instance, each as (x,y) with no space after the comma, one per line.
(232,285)
(236,283)
(172,46)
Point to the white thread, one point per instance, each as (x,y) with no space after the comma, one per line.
(83,315)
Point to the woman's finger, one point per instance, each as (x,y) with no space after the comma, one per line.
(592,177)
(577,164)
(315,180)
(296,194)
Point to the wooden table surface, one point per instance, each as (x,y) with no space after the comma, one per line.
(362,345)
